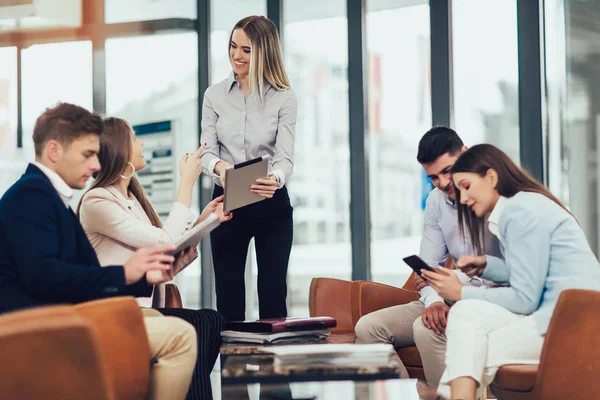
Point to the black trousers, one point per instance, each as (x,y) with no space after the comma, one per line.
(270,223)
(208,324)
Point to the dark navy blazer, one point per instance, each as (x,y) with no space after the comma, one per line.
(45,256)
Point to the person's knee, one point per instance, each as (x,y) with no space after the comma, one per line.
(369,330)
(425,337)
(421,333)
(218,320)
(183,336)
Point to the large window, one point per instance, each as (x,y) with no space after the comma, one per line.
(152,82)
(52,73)
(573,95)
(486,98)
(399,114)
(316,59)
(8,98)
(12,160)
(142,10)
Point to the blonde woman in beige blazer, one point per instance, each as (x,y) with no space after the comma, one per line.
(118,219)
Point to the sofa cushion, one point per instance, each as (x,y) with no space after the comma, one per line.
(341,338)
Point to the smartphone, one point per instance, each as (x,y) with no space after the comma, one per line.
(286,394)
(417,264)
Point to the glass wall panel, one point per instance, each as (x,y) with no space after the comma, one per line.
(573,86)
(486,98)
(152,82)
(399,114)
(8,98)
(143,10)
(12,160)
(316,58)
(52,73)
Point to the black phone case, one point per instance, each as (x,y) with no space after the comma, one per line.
(417,264)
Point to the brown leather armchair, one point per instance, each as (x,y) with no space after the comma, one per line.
(123,344)
(97,350)
(570,361)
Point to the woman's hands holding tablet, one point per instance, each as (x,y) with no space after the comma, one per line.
(220,168)
(265,187)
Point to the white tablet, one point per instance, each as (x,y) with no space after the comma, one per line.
(239,178)
(193,236)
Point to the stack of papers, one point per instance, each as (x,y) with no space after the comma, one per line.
(274,338)
(332,354)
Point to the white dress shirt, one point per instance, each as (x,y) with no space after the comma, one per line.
(64,191)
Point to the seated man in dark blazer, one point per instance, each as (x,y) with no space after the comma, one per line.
(46,258)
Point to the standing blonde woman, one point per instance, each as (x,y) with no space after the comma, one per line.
(250,114)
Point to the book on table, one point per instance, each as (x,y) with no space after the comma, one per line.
(275,338)
(278,325)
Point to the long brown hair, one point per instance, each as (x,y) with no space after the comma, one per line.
(115,151)
(266,61)
(512,179)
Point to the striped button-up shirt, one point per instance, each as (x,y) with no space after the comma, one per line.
(236,129)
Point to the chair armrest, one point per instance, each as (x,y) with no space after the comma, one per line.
(172,296)
(572,341)
(50,353)
(332,298)
(371,296)
(123,342)
(410,283)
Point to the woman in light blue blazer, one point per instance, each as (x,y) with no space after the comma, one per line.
(545,253)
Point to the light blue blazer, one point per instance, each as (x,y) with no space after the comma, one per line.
(545,252)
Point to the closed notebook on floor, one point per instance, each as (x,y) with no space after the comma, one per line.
(275,325)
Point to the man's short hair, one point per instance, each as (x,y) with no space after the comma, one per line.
(64,123)
(436,142)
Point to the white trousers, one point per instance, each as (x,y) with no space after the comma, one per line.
(481,337)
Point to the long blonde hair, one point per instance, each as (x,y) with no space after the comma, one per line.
(115,151)
(266,61)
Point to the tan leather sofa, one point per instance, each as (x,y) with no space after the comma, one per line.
(94,351)
(570,362)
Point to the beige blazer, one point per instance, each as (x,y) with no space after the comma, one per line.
(117,227)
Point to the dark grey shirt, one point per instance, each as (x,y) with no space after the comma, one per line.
(237,129)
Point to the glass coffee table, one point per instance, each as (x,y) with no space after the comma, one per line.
(248,372)
(393,389)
